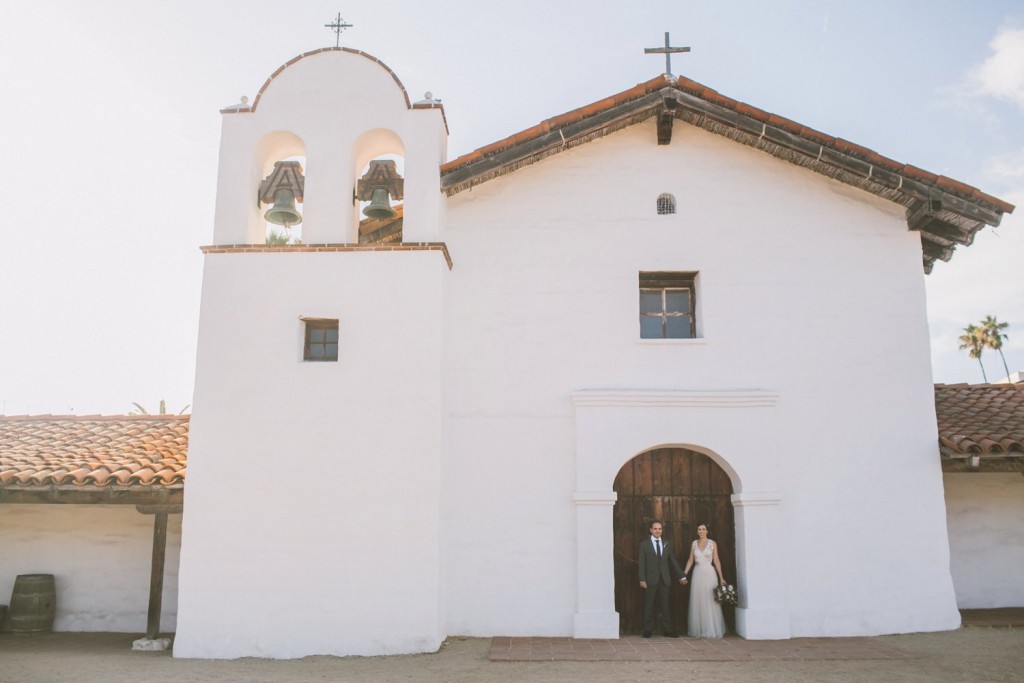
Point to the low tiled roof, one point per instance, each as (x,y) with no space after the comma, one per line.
(945,211)
(150,451)
(90,452)
(983,419)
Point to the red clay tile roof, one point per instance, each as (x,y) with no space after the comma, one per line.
(150,451)
(553,124)
(93,451)
(980,418)
(946,212)
(707,94)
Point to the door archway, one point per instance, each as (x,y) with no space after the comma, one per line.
(683,488)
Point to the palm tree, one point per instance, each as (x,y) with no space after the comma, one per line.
(276,237)
(992,330)
(140,410)
(973,341)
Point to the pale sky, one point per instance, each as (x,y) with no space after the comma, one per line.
(111,130)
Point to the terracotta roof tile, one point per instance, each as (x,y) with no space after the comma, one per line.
(957,186)
(859,150)
(919,173)
(93,451)
(631,94)
(715,97)
(530,133)
(981,418)
(752,112)
(784,123)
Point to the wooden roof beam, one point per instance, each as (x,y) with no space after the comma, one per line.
(949,202)
(95,496)
(934,250)
(665,119)
(924,216)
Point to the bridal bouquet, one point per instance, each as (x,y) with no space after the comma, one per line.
(726,595)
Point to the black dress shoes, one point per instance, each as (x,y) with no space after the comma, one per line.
(647,634)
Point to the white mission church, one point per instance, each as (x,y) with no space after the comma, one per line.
(458,417)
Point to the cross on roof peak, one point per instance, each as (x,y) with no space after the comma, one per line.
(339,25)
(667,51)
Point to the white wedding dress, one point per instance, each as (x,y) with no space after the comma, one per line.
(705,618)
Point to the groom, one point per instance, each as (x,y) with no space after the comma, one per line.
(657,564)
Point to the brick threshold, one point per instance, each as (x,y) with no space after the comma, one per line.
(1012,617)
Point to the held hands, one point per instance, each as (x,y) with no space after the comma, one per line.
(682,581)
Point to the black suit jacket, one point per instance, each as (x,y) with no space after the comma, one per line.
(656,570)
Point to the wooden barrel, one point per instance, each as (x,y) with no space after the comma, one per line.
(33,604)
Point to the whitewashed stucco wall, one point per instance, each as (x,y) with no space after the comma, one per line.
(311,511)
(985,515)
(100,556)
(796,274)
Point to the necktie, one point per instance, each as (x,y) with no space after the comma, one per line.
(658,541)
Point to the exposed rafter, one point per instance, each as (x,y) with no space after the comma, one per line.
(665,118)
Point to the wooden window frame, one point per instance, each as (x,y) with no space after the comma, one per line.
(314,324)
(665,282)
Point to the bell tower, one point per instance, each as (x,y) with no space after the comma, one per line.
(311,521)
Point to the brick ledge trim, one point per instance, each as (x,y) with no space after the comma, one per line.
(293,248)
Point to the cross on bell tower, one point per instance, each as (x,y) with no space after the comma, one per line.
(339,25)
(667,51)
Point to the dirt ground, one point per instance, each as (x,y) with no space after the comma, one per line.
(970,654)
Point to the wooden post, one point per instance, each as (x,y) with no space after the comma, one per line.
(156,577)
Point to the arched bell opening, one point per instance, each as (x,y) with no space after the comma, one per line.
(380,187)
(682,488)
(281,187)
(282,192)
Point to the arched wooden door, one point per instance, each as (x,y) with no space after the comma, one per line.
(682,488)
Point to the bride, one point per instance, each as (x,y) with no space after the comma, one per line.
(705,618)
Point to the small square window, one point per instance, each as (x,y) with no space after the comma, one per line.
(321,340)
(667,305)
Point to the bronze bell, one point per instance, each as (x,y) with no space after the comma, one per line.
(380,205)
(283,212)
